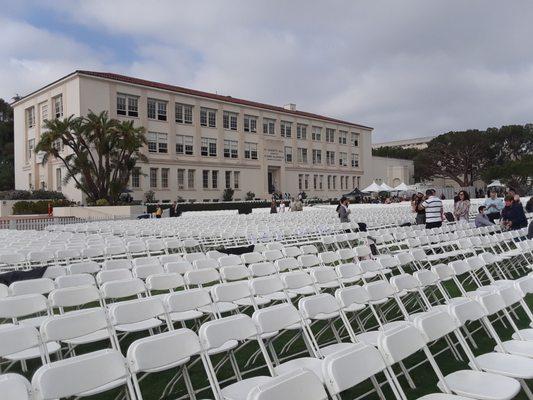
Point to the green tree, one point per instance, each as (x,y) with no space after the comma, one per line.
(517,174)
(459,156)
(99,153)
(7,148)
(396,152)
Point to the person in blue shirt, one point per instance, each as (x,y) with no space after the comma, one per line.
(493,206)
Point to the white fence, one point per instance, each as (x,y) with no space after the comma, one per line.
(40,223)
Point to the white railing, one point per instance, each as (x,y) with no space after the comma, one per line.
(40,223)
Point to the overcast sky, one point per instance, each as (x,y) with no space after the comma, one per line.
(407,68)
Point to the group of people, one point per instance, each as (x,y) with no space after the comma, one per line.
(428,209)
(294,205)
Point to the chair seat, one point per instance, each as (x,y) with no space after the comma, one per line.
(481,385)
(259,300)
(527,334)
(239,390)
(333,348)
(230,344)
(354,307)
(34,321)
(104,388)
(517,347)
(34,352)
(329,285)
(222,307)
(185,315)
(310,363)
(139,326)
(325,316)
(305,291)
(102,334)
(279,296)
(442,396)
(506,364)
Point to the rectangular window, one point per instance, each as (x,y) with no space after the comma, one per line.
(136,178)
(228,179)
(157,142)
(269,126)
(250,123)
(181,179)
(355,160)
(315,182)
(301,131)
(231,149)
(317,156)
(164,178)
(321,182)
(157,109)
(300,181)
(57,103)
(183,113)
(334,182)
(44,113)
(229,120)
(329,182)
(153,177)
(214,179)
(209,147)
(236,178)
(330,157)
(184,145)
(31,147)
(288,154)
(342,182)
(343,159)
(205,179)
(355,139)
(286,129)
(343,137)
(58,179)
(208,117)
(302,155)
(30,117)
(330,135)
(306,182)
(250,150)
(127,105)
(30,181)
(190,178)
(354,181)
(316,133)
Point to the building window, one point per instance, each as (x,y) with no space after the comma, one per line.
(127,105)
(342,182)
(300,181)
(269,126)
(136,178)
(343,137)
(321,182)
(57,103)
(228,179)
(164,178)
(316,133)
(250,123)
(286,129)
(329,182)
(231,149)
(153,177)
(214,179)
(317,156)
(229,120)
(315,182)
(330,135)
(44,113)
(30,117)
(205,179)
(209,147)
(183,113)
(236,177)
(157,109)
(306,182)
(330,157)
(181,179)
(190,178)
(250,150)
(355,160)
(157,142)
(334,182)
(354,180)
(302,155)
(30,182)
(301,131)
(343,159)
(31,147)
(288,154)
(184,145)
(58,179)
(355,139)
(208,117)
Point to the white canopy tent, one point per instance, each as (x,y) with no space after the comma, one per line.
(495,183)
(402,187)
(385,188)
(374,187)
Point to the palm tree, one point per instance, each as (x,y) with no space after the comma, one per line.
(100,152)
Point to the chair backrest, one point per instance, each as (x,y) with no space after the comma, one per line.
(15,387)
(168,258)
(321,304)
(308,260)
(16,338)
(145,261)
(178,267)
(234,273)
(460,267)
(144,271)
(73,324)
(426,277)
(443,271)
(4,290)
(346,254)
(164,281)
(370,266)
(287,263)
(323,275)
(262,269)
(292,251)
(296,279)
(75,280)
(215,333)
(84,267)
(162,350)
(329,257)
(491,301)
(254,257)
(122,288)
(20,306)
(300,384)
(435,324)
(362,251)
(379,290)
(230,291)
(404,282)
(348,270)
(272,255)
(73,296)
(32,286)
(187,300)
(510,294)
(231,259)
(202,276)
(191,257)
(351,295)
(266,285)
(68,377)
(276,318)
(399,343)
(113,275)
(131,311)
(116,264)
(205,263)
(309,249)
(464,310)
(525,284)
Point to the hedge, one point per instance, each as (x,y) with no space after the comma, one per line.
(31,195)
(37,207)
(244,207)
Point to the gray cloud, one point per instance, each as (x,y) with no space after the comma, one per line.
(408,68)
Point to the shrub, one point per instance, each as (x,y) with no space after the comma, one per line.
(228,194)
(102,202)
(27,195)
(250,196)
(37,207)
(149,197)
(244,207)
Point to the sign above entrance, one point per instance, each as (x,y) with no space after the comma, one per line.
(274,155)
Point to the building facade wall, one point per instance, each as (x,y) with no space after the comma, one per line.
(82,93)
(392,171)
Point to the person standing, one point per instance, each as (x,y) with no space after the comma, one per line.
(433,208)
(513,216)
(493,206)
(273,207)
(343,210)
(482,219)
(158,211)
(461,209)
